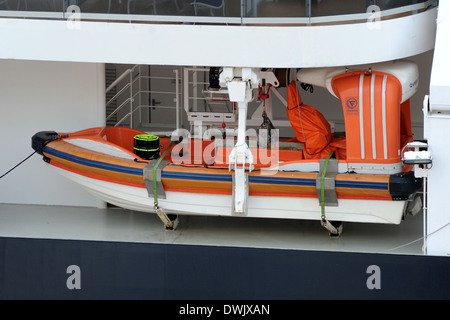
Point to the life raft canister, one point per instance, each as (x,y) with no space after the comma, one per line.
(146,146)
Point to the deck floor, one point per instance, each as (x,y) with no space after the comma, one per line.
(120,225)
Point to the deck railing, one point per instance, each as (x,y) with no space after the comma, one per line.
(234,12)
(131,99)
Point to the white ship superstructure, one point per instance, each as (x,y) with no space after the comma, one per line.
(189,66)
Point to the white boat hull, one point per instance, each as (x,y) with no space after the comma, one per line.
(137,199)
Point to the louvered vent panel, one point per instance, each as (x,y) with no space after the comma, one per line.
(110,76)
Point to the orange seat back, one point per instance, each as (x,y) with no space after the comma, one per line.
(371,105)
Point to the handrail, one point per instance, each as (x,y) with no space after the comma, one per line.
(363,16)
(118,108)
(120,78)
(133,96)
(123,119)
(118,94)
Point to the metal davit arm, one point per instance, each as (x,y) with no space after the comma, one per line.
(240,83)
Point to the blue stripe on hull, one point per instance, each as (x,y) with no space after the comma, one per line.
(211,176)
(196,176)
(93,163)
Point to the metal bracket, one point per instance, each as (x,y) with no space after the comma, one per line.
(170,220)
(329,182)
(240,192)
(148,179)
(334,230)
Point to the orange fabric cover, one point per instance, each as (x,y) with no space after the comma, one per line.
(311,128)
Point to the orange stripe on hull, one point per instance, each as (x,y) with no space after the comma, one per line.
(210,186)
(59,165)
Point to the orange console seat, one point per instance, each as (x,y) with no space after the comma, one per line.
(377,123)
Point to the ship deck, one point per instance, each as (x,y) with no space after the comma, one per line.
(128,255)
(121,225)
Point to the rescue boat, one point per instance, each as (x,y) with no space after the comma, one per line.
(317,175)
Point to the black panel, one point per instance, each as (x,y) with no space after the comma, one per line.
(37,269)
(403,184)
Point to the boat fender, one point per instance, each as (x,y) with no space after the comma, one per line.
(40,139)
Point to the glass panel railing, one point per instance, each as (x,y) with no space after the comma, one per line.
(271,8)
(211,11)
(32,5)
(220,8)
(333,7)
(392,4)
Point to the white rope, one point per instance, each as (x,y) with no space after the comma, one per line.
(419,239)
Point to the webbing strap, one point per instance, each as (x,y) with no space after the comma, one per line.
(155,193)
(322,182)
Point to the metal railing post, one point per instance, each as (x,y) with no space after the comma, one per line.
(131,100)
(308,11)
(140,94)
(177,99)
(242,11)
